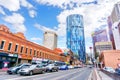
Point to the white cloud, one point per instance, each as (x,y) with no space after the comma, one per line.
(64,4)
(25,3)
(36,39)
(43,28)
(2,11)
(94,15)
(15,5)
(30,7)
(32,13)
(11,5)
(17,21)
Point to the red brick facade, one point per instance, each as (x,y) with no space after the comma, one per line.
(110,58)
(24,47)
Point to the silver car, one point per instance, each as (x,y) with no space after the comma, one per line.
(33,69)
(52,67)
(16,69)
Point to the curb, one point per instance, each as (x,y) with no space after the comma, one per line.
(90,76)
(94,75)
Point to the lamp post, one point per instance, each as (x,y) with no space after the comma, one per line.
(90,51)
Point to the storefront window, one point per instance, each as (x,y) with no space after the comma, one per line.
(9,59)
(13,59)
(3,58)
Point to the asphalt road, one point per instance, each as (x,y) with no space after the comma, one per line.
(73,74)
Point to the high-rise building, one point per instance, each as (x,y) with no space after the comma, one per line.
(75,35)
(109,21)
(99,36)
(50,40)
(115,19)
(100,46)
(115,15)
(116,34)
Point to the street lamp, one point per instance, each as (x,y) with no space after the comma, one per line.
(90,51)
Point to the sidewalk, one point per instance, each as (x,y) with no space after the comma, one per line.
(103,76)
(2,70)
(97,74)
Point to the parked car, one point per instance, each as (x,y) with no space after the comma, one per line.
(117,71)
(77,66)
(70,67)
(52,67)
(63,67)
(33,69)
(109,69)
(15,69)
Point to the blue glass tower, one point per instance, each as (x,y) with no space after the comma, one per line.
(75,35)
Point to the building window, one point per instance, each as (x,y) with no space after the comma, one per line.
(9,46)
(16,48)
(21,49)
(2,44)
(3,58)
(30,51)
(37,53)
(26,50)
(34,52)
(40,54)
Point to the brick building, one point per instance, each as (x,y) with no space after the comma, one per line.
(110,58)
(15,49)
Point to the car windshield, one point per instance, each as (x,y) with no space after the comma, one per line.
(18,65)
(33,66)
(50,64)
(26,66)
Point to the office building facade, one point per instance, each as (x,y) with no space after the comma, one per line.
(75,35)
(115,20)
(99,36)
(101,46)
(109,21)
(50,40)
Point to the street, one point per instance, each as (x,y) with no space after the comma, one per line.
(73,74)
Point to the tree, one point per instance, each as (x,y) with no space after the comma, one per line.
(76,56)
(96,55)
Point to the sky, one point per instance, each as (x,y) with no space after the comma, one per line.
(33,17)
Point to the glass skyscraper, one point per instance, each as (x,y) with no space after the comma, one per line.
(75,35)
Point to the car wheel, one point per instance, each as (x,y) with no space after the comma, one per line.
(9,73)
(17,71)
(52,70)
(30,73)
(56,70)
(43,72)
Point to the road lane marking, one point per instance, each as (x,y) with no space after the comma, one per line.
(74,78)
(57,78)
(25,77)
(55,75)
